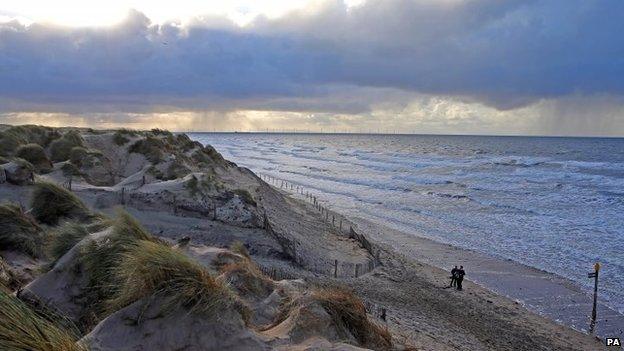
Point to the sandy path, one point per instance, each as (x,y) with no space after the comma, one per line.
(433,317)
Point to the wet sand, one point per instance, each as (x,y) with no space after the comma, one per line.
(544,293)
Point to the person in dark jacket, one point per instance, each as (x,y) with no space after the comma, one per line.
(460,277)
(453,280)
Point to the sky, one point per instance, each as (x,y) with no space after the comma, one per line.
(520,67)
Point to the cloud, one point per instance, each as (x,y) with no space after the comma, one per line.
(326,58)
(570,116)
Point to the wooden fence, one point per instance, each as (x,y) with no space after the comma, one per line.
(277,273)
(338,223)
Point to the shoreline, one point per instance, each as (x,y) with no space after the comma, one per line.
(544,293)
(409,301)
(424,313)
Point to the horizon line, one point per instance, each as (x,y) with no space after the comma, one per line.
(405,134)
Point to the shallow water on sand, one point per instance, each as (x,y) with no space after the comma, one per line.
(555,204)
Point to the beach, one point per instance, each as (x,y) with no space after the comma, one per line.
(430,315)
(157,209)
(544,293)
(351,175)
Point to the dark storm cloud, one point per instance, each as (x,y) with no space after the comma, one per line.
(503,53)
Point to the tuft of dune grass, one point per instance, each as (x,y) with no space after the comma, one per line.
(77,154)
(158,131)
(70,170)
(63,238)
(8,144)
(208,155)
(34,154)
(151,147)
(184,142)
(74,137)
(175,170)
(51,202)
(98,223)
(239,248)
(349,315)
(9,281)
(19,231)
(247,278)
(33,134)
(100,260)
(22,329)
(119,138)
(154,269)
(60,149)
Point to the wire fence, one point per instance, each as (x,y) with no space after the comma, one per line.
(338,223)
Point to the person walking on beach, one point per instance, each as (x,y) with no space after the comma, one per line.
(460,277)
(453,275)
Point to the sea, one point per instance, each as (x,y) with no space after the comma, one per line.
(552,203)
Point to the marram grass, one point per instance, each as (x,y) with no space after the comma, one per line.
(51,202)
(154,269)
(130,264)
(18,231)
(349,315)
(239,248)
(63,238)
(22,329)
(60,149)
(101,258)
(247,278)
(34,154)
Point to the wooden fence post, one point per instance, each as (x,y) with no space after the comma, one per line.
(335,268)
(357,270)
(123,193)
(175,205)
